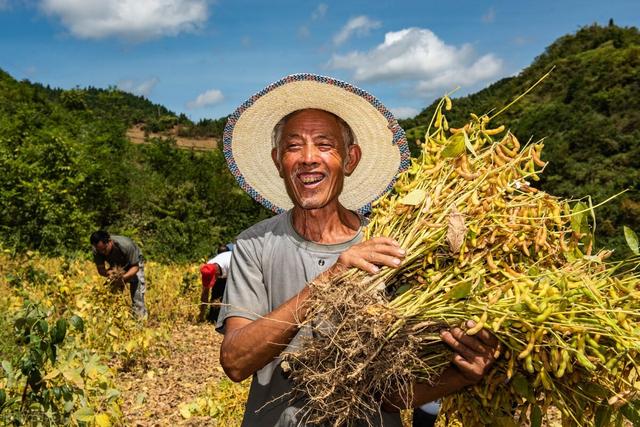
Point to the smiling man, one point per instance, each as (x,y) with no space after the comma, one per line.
(334,150)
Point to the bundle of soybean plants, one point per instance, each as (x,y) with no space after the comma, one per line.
(483,244)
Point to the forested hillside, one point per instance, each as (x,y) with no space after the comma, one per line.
(587,111)
(66,168)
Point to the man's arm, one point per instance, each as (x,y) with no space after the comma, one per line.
(249,345)
(102,270)
(130,273)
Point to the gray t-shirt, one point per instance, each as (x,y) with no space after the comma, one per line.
(270,264)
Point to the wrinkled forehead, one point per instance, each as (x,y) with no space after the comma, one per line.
(311,118)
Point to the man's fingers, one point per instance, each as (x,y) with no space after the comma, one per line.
(470,341)
(484,335)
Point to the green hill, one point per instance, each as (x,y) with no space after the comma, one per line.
(587,111)
(66,169)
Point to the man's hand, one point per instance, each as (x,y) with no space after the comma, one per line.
(370,255)
(474,353)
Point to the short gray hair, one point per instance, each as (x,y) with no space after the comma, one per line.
(347,134)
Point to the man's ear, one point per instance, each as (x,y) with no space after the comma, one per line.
(355,153)
(276,161)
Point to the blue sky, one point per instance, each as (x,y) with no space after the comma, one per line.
(203,57)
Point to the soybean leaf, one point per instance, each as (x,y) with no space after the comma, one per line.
(468,143)
(414,198)
(455,147)
(536,416)
(77,322)
(84,414)
(102,420)
(402,289)
(459,291)
(521,386)
(632,240)
(603,415)
(631,411)
(578,217)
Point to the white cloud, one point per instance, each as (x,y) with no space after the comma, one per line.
(304,32)
(489,17)
(484,68)
(134,20)
(404,112)
(360,26)
(143,88)
(207,98)
(319,12)
(418,55)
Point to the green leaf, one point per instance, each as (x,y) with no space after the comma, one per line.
(632,240)
(521,386)
(631,411)
(459,291)
(536,416)
(3,398)
(86,414)
(402,289)
(455,147)
(603,415)
(77,322)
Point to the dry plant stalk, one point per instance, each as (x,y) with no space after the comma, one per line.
(482,244)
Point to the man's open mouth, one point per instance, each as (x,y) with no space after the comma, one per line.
(310,179)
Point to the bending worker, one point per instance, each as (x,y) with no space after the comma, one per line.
(214,280)
(122,252)
(318,151)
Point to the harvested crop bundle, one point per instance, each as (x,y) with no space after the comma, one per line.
(481,244)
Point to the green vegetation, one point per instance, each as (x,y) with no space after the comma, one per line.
(66,169)
(587,111)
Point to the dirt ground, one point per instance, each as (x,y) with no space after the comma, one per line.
(137,136)
(152,394)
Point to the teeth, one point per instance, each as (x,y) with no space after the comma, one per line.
(310,179)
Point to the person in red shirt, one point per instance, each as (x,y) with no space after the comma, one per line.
(214,280)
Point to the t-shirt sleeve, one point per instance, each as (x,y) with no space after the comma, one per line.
(246,294)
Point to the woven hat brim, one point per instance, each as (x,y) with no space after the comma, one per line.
(247,139)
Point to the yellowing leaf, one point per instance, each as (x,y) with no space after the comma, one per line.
(632,240)
(102,420)
(73,375)
(414,198)
(455,147)
(185,411)
(51,375)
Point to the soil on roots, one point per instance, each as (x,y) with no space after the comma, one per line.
(152,396)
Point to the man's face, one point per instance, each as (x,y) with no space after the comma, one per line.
(104,248)
(312,159)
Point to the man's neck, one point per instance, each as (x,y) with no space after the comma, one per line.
(327,225)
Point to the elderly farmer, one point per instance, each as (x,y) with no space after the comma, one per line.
(334,150)
(214,280)
(120,251)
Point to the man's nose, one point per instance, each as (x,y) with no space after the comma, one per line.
(310,153)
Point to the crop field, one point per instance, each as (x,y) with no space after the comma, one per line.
(72,354)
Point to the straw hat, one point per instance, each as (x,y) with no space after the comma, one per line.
(247,139)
